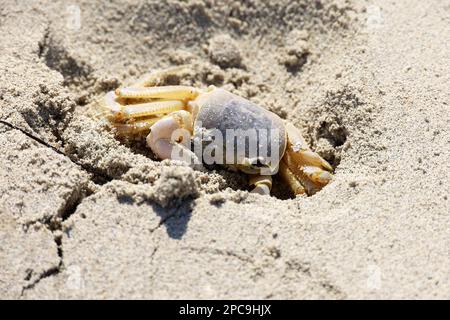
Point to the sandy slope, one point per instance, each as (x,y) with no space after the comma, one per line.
(83,215)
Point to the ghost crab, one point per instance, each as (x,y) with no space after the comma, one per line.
(161,111)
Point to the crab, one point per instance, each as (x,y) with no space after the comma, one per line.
(166,113)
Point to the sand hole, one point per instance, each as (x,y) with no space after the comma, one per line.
(229,44)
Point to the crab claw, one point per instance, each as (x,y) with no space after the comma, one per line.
(303,169)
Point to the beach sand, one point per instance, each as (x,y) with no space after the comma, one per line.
(85,215)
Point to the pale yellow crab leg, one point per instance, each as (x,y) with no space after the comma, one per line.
(288,176)
(120,111)
(164,92)
(263,184)
(300,150)
(151,108)
(135,127)
(311,170)
(112,102)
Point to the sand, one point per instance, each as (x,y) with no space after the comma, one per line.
(85,215)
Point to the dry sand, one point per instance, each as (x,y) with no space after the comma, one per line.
(83,215)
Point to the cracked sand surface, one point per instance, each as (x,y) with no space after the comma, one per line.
(192,242)
(83,215)
(25,256)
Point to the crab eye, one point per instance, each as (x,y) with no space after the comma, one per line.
(259,163)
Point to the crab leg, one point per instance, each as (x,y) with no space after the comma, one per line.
(164,92)
(137,110)
(288,176)
(151,108)
(112,103)
(135,127)
(301,164)
(299,149)
(263,184)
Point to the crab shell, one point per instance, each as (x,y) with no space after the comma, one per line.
(221,110)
